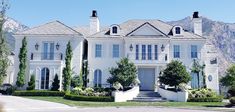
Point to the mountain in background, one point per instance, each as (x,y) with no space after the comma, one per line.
(12,26)
(220,34)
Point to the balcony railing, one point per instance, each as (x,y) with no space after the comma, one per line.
(152,57)
(46,56)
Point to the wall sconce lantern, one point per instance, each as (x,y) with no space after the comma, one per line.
(57,46)
(162,47)
(36,46)
(131,47)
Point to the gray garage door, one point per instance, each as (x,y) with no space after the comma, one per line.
(146,77)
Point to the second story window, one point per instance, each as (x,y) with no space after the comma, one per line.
(48,51)
(177,30)
(194,53)
(143,52)
(114,30)
(149,52)
(156,52)
(98,50)
(137,52)
(176,51)
(115,51)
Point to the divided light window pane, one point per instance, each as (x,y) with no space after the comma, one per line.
(98,49)
(115,51)
(143,52)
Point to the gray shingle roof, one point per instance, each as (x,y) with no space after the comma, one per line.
(51,28)
(131,25)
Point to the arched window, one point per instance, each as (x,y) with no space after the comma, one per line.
(177,30)
(114,29)
(45,78)
(97,78)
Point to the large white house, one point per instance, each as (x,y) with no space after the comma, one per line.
(46,46)
(149,44)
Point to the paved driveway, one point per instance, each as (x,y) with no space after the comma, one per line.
(18,104)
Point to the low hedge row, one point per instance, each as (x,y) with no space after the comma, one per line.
(207,99)
(89,98)
(38,93)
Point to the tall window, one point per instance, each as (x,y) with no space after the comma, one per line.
(98,50)
(115,51)
(156,52)
(194,51)
(137,52)
(176,51)
(143,52)
(177,30)
(97,78)
(114,29)
(149,52)
(48,51)
(45,78)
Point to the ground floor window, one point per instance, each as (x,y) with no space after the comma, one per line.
(45,78)
(97,78)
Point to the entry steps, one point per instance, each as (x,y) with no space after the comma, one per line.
(149,96)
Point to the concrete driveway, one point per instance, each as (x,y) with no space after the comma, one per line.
(18,104)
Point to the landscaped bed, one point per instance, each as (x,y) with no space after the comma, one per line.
(38,93)
(108,104)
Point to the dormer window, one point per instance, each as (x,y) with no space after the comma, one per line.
(177,30)
(114,29)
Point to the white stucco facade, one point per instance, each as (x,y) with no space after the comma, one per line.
(48,59)
(149,35)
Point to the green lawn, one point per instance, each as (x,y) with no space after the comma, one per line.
(105,104)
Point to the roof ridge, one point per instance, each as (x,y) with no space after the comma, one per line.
(48,23)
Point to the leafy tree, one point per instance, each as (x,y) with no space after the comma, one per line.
(175,74)
(22,66)
(125,73)
(56,83)
(75,81)
(31,83)
(4,48)
(229,79)
(67,71)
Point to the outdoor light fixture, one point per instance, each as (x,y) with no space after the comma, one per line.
(57,46)
(36,46)
(131,47)
(162,47)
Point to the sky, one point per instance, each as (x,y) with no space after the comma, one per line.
(77,12)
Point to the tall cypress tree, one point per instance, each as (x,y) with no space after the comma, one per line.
(22,66)
(67,71)
(4,49)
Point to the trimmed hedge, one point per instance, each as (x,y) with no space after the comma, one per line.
(38,93)
(89,98)
(232,100)
(207,99)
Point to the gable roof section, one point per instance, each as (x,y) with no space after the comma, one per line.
(51,28)
(131,25)
(160,33)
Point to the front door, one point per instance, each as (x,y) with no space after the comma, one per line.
(147,78)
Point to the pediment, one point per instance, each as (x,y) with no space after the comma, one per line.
(146,29)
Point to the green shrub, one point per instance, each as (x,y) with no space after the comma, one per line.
(204,95)
(232,100)
(89,98)
(88,92)
(38,93)
(31,83)
(56,83)
(208,99)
